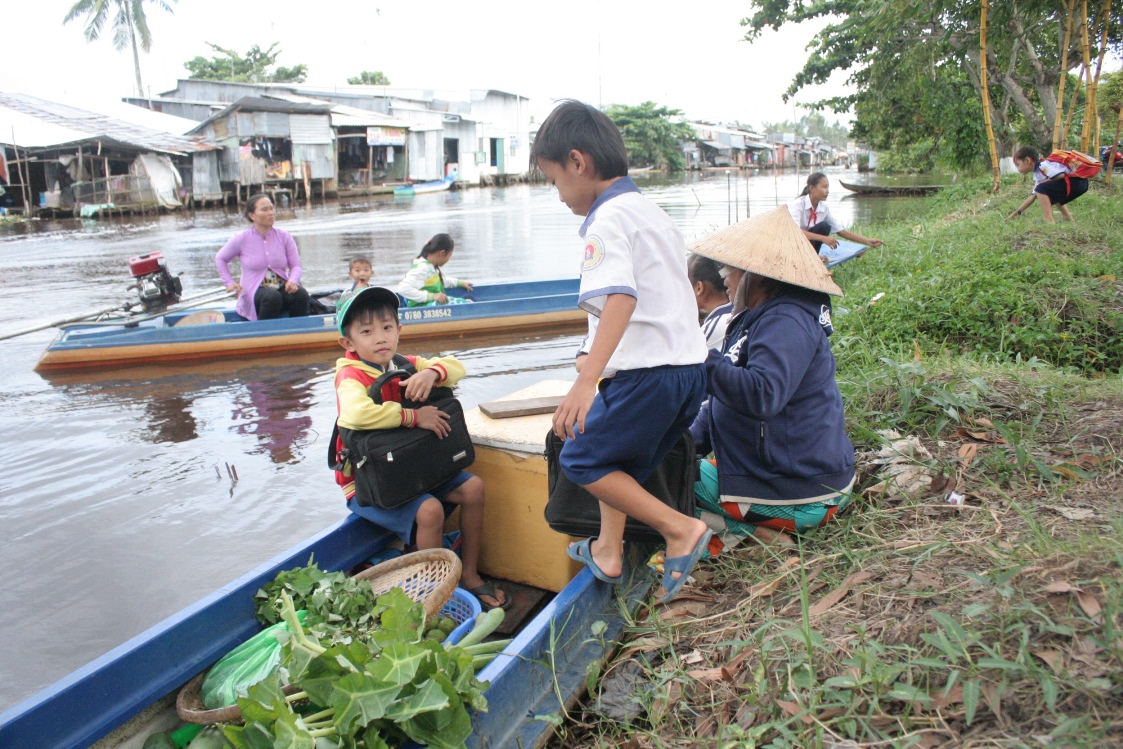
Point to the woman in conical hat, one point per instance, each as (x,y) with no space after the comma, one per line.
(774,418)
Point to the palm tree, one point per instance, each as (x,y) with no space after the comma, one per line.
(129,22)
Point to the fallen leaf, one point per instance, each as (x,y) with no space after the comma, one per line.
(836,595)
(694,656)
(985,423)
(940,701)
(916,355)
(660,704)
(768,587)
(1106,277)
(1060,586)
(793,709)
(1074,513)
(1053,659)
(680,609)
(1089,603)
(637,741)
(644,645)
(705,675)
(968,451)
(745,716)
(1005,546)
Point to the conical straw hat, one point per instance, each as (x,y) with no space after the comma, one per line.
(772,245)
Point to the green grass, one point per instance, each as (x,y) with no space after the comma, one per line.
(998,345)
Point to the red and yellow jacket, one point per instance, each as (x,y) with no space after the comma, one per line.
(357,410)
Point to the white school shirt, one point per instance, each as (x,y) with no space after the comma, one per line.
(632,247)
(713,327)
(1048,169)
(801,210)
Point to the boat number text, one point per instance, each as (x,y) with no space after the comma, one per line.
(426,314)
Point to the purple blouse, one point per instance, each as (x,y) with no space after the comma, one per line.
(276,251)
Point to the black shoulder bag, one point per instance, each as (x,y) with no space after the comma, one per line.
(392,466)
(572,510)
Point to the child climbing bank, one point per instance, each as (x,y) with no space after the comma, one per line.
(643,379)
(1054,184)
(368,331)
(425,284)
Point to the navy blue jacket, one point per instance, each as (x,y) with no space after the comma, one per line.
(774,418)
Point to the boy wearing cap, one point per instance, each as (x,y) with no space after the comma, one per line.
(646,344)
(369,332)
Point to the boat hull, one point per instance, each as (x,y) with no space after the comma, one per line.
(892,189)
(541,669)
(501,308)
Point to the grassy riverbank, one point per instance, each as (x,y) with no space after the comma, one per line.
(995,353)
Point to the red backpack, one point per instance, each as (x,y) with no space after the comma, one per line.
(1078,164)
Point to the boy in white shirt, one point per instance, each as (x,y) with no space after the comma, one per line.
(646,344)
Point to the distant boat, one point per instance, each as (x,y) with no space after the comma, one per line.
(421,187)
(892,189)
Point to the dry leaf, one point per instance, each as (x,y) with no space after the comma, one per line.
(1005,546)
(1060,586)
(916,355)
(1074,513)
(637,741)
(693,657)
(768,587)
(1053,659)
(745,716)
(793,709)
(680,609)
(1089,603)
(660,704)
(836,595)
(939,701)
(968,451)
(711,674)
(1106,277)
(985,423)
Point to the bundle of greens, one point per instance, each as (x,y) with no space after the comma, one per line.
(339,607)
(373,692)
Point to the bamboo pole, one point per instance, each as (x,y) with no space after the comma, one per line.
(1114,143)
(1071,110)
(1086,44)
(1092,106)
(1069,8)
(986,95)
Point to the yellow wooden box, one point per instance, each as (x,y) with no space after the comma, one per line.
(517,543)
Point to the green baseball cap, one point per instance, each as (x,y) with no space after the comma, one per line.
(372,296)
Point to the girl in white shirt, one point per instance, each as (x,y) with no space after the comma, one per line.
(1052,185)
(810,211)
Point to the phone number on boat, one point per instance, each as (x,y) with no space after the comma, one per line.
(426,314)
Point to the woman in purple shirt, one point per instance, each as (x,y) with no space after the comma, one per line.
(270,282)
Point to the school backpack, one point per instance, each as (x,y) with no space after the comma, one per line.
(392,466)
(1078,164)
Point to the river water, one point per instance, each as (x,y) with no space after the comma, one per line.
(118,502)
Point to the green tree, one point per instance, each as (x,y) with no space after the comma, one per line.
(650,135)
(253,67)
(129,22)
(813,125)
(890,46)
(369,78)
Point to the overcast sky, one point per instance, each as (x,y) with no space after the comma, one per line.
(686,56)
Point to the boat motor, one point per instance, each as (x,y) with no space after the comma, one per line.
(154,284)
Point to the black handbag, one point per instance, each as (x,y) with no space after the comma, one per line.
(393,466)
(573,511)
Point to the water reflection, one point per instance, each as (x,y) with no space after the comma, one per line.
(170,419)
(274,410)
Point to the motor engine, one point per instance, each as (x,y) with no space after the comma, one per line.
(154,284)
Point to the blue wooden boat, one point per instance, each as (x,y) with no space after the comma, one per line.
(423,187)
(146,671)
(504,307)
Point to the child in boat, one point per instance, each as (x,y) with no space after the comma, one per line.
(646,344)
(359,271)
(425,285)
(368,331)
(1052,185)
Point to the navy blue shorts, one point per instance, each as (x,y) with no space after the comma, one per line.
(1059,193)
(400,519)
(636,419)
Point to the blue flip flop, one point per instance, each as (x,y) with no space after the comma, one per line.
(683,565)
(581,552)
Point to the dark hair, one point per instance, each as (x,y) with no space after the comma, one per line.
(368,310)
(706,270)
(357,260)
(1027,152)
(574,125)
(438,243)
(812,179)
(251,204)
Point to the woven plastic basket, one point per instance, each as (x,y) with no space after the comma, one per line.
(428,577)
(462,608)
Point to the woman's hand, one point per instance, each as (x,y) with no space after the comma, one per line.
(830,242)
(418,387)
(291,287)
(574,407)
(875,243)
(433,419)
(441,298)
(234,288)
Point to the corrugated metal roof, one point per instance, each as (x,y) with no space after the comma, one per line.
(261,104)
(44,124)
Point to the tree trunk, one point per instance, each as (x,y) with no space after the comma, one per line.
(986,95)
(136,56)
(1069,8)
(1086,46)
(1092,105)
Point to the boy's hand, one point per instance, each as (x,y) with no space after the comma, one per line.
(441,298)
(467,285)
(433,419)
(574,408)
(418,386)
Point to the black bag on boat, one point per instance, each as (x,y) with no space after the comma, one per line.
(573,511)
(392,466)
